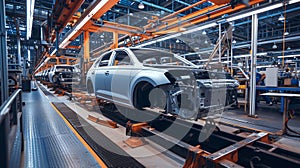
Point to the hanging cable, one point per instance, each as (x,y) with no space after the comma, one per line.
(290,116)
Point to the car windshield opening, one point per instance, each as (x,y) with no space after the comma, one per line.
(154,57)
(65,69)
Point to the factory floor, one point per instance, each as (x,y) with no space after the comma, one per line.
(48,141)
(269,118)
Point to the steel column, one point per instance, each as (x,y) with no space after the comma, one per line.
(116,39)
(18,42)
(220,43)
(86,56)
(253,64)
(231,54)
(86,46)
(3,57)
(57,41)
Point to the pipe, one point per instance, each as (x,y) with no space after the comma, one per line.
(186,4)
(18,41)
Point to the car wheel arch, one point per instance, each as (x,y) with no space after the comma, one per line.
(140,92)
(90,86)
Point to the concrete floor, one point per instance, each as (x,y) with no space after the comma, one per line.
(269,118)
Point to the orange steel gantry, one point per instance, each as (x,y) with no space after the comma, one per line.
(89,22)
(63,12)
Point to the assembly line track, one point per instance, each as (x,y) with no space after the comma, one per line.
(216,146)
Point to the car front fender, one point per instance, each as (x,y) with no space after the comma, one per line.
(153,77)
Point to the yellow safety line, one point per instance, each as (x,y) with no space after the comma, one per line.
(101,163)
(97,158)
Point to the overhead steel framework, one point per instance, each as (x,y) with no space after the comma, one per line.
(173,23)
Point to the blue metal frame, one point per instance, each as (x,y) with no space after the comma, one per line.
(280,89)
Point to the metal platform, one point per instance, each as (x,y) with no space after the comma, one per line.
(49,142)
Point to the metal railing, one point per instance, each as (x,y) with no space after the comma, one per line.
(10,124)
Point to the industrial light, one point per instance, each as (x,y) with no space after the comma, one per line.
(177,41)
(28,55)
(77,27)
(268,8)
(289,56)
(205,41)
(101,36)
(204,32)
(53,52)
(281,18)
(286,33)
(141,5)
(289,48)
(29,17)
(274,46)
(234,42)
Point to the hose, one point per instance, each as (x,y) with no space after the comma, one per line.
(296,134)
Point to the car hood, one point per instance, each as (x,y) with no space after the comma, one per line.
(168,67)
(202,76)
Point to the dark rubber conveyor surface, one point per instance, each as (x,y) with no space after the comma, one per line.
(112,155)
(49,142)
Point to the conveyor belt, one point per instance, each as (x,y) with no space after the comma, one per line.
(112,155)
(46,92)
(49,142)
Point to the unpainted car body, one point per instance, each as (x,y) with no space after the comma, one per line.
(44,75)
(64,74)
(139,78)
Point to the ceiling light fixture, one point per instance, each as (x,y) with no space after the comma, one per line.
(281,18)
(234,42)
(205,41)
(286,33)
(141,5)
(289,48)
(177,41)
(29,17)
(274,46)
(204,32)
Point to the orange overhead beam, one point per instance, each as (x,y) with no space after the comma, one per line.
(114,27)
(184,18)
(178,24)
(220,2)
(215,14)
(68,12)
(63,12)
(184,9)
(94,12)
